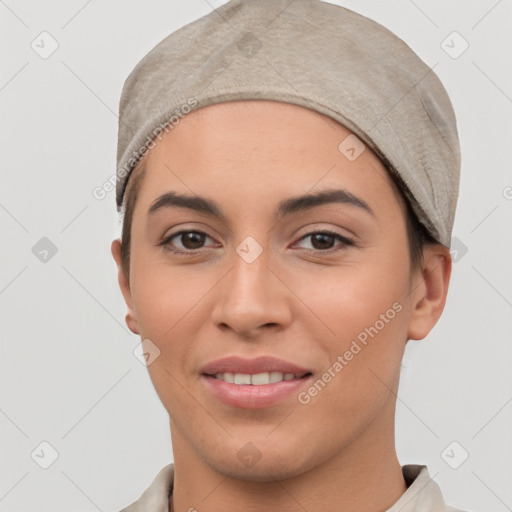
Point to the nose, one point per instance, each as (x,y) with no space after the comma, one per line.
(253,298)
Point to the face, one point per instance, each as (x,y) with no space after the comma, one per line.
(317,289)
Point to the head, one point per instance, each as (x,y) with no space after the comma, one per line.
(373,282)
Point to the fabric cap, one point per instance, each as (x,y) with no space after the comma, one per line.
(313,54)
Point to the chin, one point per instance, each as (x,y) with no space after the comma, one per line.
(262,471)
(253,465)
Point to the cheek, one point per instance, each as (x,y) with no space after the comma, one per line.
(363,309)
(166,301)
(162,293)
(349,299)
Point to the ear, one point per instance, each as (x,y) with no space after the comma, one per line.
(124,284)
(429,288)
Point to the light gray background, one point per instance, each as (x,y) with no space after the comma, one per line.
(69,376)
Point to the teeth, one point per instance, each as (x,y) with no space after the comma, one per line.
(242,378)
(276,377)
(257,379)
(260,378)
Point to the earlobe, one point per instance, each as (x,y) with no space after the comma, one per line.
(124,285)
(429,291)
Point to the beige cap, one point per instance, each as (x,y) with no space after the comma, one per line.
(313,54)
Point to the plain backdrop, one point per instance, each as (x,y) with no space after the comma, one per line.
(69,377)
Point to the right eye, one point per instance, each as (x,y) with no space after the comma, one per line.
(191,241)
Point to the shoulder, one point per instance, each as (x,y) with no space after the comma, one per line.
(156,497)
(423,493)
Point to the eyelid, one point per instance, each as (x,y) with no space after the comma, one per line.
(346,241)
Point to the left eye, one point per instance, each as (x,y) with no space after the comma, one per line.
(321,239)
(191,241)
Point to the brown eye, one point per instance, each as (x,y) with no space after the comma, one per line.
(192,239)
(325,240)
(185,241)
(322,240)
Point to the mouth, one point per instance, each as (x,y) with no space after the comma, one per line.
(253,383)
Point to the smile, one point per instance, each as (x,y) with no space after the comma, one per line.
(253,383)
(257,379)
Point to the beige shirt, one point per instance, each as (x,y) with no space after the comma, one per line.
(422,495)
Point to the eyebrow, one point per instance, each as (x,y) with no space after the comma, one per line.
(286,207)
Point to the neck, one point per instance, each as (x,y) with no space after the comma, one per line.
(368,463)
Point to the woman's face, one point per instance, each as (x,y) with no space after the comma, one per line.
(262,280)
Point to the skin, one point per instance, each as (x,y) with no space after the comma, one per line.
(294,302)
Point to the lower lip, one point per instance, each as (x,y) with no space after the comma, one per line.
(248,396)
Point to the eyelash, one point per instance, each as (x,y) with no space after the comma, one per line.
(191,252)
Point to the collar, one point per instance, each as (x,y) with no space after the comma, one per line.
(423,493)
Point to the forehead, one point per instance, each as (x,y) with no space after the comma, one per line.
(264,149)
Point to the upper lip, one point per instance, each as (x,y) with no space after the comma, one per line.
(235,364)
